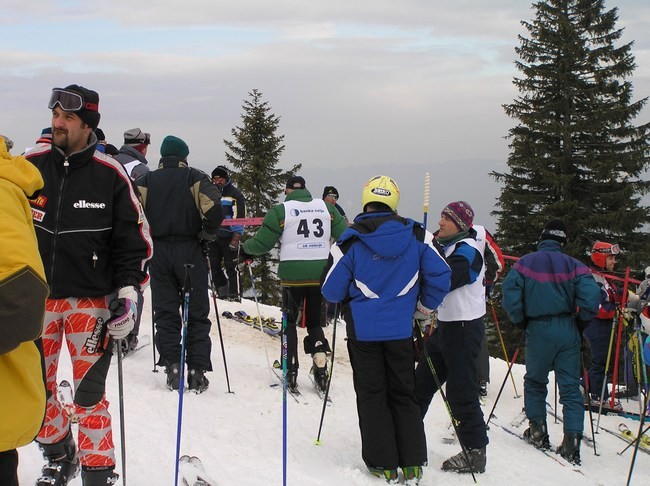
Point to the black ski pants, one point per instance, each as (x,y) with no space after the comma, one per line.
(9,467)
(223,262)
(392,431)
(307,300)
(454,348)
(167,272)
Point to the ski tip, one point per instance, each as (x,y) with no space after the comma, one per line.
(316,442)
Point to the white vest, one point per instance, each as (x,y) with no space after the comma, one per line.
(307,229)
(467,302)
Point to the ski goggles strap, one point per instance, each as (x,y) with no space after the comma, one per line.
(612,250)
(70,101)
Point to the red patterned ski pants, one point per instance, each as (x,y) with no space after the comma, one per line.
(81,321)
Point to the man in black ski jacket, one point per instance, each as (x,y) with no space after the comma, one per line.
(94,242)
(184,211)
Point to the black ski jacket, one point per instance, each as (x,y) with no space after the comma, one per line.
(180,201)
(92,233)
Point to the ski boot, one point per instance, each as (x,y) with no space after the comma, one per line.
(458,463)
(320,370)
(196,381)
(537,435)
(390,475)
(412,474)
(292,379)
(570,447)
(98,476)
(62,462)
(173,372)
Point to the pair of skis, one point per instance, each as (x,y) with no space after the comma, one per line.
(268,323)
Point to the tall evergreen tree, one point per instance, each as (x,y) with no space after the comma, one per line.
(574,153)
(255,154)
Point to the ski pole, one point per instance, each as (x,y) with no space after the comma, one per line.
(503,346)
(591,413)
(259,316)
(555,381)
(187,288)
(329,382)
(206,254)
(612,397)
(153,332)
(426,199)
(443,395)
(638,439)
(604,385)
(284,395)
(505,378)
(120,391)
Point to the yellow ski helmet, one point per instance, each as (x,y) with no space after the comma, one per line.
(380,189)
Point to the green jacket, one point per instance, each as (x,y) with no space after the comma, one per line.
(294,272)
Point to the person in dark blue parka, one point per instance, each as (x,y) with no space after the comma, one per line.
(553,297)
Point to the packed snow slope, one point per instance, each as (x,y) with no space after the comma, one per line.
(238,435)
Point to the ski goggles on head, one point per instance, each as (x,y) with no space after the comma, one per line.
(612,250)
(70,101)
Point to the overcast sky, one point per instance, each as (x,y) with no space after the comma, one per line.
(361,87)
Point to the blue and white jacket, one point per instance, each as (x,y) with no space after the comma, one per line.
(379,267)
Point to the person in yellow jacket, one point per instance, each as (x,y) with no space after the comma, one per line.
(22,306)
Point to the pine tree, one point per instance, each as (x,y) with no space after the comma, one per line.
(574,153)
(255,154)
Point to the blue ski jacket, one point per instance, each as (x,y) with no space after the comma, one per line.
(549,283)
(380,266)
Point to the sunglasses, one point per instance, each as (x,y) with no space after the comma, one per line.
(613,250)
(70,101)
(333,196)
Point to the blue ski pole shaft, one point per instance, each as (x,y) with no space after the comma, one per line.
(187,288)
(284,397)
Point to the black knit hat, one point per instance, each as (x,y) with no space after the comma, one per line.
(330,191)
(295,182)
(555,230)
(220,171)
(90,98)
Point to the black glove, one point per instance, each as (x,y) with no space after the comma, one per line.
(585,352)
(488,293)
(205,236)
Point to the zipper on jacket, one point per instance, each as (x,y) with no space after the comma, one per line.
(55,232)
(95,258)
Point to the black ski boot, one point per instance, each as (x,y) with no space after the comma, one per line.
(537,435)
(458,463)
(196,381)
(173,376)
(62,463)
(98,476)
(292,378)
(570,447)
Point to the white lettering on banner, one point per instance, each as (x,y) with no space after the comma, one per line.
(83,204)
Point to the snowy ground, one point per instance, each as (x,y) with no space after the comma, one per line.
(238,436)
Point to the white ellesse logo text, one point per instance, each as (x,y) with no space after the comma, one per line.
(83,204)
